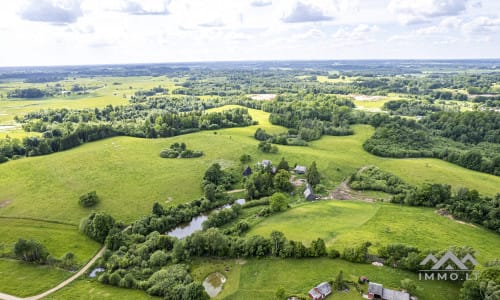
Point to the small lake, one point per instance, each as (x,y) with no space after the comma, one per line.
(213,284)
(185,230)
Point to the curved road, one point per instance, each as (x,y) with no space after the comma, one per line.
(62,284)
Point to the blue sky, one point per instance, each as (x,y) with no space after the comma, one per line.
(61,32)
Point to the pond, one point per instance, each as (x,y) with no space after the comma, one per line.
(185,230)
(213,284)
(94,272)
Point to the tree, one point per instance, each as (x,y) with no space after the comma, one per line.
(340,284)
(245,158)
(214,174)
(30,251)
(283,165)
(282,181)
(97,226)
(312,175)
(277,240)
(278,202)
(318,248)
(89,199)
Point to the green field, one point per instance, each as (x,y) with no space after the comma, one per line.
(259,279)
(86,289)
(22,279)
(129,175)
(344,223)
(106,93)
(50,235)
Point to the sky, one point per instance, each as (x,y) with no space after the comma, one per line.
(78,32)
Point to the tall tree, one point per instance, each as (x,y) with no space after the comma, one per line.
(312,175)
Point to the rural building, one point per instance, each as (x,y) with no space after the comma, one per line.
(377,291)
(300,169)
(308,193)
(266,163)
(321,291)
(247,172)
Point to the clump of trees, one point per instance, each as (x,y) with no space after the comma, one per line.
(89,199)
(30,251)
(179,150)
(375,179)
(97,226)
(267,147)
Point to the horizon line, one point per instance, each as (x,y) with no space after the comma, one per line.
(250,60)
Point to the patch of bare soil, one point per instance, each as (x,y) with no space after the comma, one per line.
(297,181)
(445,213)
(344,192)
(4,203)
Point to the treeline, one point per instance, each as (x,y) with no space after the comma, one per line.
(411,108)
(92,125)
(467,205)
(468,139)
(28,93)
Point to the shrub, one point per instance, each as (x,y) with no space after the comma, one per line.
(89,199)
(30,251)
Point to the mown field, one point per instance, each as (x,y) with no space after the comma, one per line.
(50,235)
(259,279)
(345,223)
(22,279)
(87,289)
(129,175)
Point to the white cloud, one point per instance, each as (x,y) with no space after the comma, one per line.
(414,12)
(144,7)
(51,11)
(302,13)
(360,34)
(482,25)
(261,3)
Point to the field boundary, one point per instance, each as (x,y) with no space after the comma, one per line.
(39,220)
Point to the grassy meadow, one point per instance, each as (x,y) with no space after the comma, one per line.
(345,223)
(87,289)
(22,279)
(129,175)
(50,235)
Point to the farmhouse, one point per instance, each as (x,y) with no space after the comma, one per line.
(321,291)
(300,169)
(266,163)
(308,193)
(377,291)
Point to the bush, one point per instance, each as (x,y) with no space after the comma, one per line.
(30,251)
(89,199)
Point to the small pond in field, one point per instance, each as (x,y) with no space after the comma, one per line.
(213,284)
(195,224)
(94,272)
